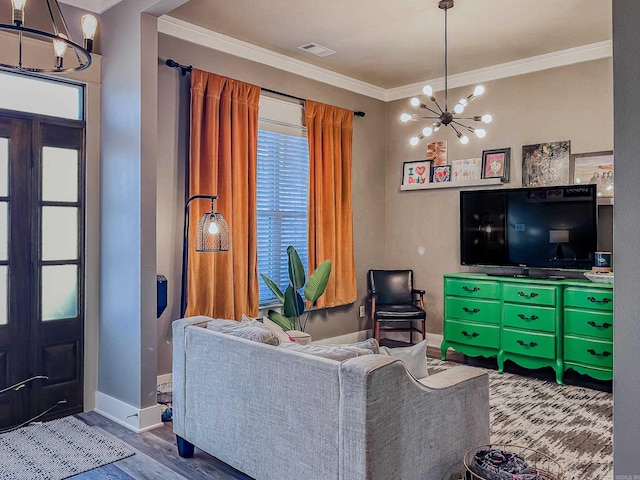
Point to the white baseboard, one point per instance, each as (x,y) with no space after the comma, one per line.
(137,419)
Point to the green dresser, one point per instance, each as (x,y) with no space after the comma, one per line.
(563,324)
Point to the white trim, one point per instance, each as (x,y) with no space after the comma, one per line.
(561,58)
(223,43)
(95,6)
(217,41)
(136,419)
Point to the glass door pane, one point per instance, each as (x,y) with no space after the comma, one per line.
(59,174)
(4,294)
(4,166)
(59,292)
(59,233)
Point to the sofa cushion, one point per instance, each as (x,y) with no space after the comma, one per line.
(268,323)
(248,330)
(413,357)
(369,344)
(333,352)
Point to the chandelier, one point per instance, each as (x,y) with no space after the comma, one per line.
(444,116)
(43,20)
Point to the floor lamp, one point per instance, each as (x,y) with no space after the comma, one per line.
(212,235)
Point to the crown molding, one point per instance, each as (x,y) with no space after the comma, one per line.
(217,41)
(561,58)
(208,38)
(95,6)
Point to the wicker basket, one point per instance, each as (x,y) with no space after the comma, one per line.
(165,393)
(544,465)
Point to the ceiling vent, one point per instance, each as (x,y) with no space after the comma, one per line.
(317,50)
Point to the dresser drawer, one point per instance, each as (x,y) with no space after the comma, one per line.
(472,288)
(487,336)
(588,323)
(530,318)
(477,310)
(531,344)
(588,352)
(593,299)
(529,294)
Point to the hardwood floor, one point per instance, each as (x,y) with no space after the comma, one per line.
(156,457)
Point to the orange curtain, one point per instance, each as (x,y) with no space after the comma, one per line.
(223,158)
(330,133)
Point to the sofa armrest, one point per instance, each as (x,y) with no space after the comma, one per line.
(393,427)
(179,366)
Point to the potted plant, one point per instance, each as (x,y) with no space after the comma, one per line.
(294,304)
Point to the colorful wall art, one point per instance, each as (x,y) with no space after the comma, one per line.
(546,164)
(415,175)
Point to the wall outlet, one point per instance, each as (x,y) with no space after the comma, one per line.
(361,311)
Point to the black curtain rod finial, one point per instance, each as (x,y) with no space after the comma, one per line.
(359,113)
(184,69)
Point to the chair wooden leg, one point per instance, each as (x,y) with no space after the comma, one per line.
(424,329)
(376,330)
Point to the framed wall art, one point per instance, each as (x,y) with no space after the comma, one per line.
(415,174)
(593,167)
(465,170)
(495,163)
(546,164)
(441,173)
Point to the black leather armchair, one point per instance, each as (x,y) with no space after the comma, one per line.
(395,304)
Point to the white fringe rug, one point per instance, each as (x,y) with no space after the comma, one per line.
(55,450)
(573,425)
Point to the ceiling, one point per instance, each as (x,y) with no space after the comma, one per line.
(394,43)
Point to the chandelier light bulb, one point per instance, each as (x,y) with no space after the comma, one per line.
(486,118)
(428,91)
(60,46)
(479,90)
(414,141)
(458,108)
(405,117)
(480,132)
(89,26)
(463,102)
(463,138)
(18,11)
(415,102)
(426,131)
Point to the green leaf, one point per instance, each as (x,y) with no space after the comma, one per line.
(273,287)
(279,319)
(317,283)
(293,303)
(296,269)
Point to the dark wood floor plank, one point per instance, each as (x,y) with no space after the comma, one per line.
(108,472)
(157,454)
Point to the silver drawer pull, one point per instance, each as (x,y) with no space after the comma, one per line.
(531,295)
(530,344)
(475,310)
(604,325)
(472,335)
(524,317)
(596,354)
(605,300)
(467,289)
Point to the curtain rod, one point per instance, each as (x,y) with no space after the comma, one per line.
(184,69)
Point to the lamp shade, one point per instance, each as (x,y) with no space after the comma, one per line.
(212,233)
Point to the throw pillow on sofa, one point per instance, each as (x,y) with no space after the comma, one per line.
(247,330)
(267,323)
(413,357)
(333,352)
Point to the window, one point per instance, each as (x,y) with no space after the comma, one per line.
(282,184)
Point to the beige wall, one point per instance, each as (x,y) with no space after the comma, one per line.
(368,176)
(569,103)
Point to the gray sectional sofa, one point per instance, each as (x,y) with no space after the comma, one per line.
(277,414)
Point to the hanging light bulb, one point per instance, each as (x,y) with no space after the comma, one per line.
(18,12)
(405,117)
(414,141)
(486,118)
(415,102)
(479,90)
(89,26)
(213,228)
(463,138)
(458,108)
(480,132)
(59,48)
(428,91)
(426,131)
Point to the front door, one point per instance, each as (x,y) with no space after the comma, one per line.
(41,267)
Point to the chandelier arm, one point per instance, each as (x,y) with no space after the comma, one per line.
(53,22)
(439,107)
(454,127)
(471,129)
(431,110)
(446,69)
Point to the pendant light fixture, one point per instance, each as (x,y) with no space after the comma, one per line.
(67,56)
(442,116)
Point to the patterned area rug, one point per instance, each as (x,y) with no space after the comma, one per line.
(56,450)
(573,425)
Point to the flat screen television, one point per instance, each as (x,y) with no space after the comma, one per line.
(542,227)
